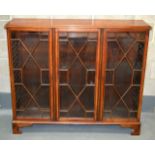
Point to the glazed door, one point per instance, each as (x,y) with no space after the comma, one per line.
(123,65)
(77,73)
(30,66)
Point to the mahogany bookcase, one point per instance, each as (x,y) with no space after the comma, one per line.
(77,71)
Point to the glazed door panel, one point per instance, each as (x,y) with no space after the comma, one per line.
(31,73)
(123,70)
(77,74)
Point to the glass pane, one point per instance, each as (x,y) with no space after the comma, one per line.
(120,111)
(19,53)
(122,77)
(135,55)
(66,53)
(77,64)
(77,74)
(30,39)
(42,97)
(77,40)
(63,76)
(17,76)
(111,98)
(132,97)
(137,77)
(31,73)
(39,53)
(32,70)
(45,77)
(87,98)
(123,74)
(22,97)
(88,54)
(109,77)
(114,54)
(90,77)
(76,110)
(66,98)
(126,40)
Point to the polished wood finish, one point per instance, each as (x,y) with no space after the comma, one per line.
(51,75)
(145,36)
(17,126)
(119,42)
(29,24)
(75,23)
(78,32)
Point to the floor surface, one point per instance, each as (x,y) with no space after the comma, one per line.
(69,132)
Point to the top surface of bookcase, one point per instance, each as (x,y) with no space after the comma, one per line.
(75,23)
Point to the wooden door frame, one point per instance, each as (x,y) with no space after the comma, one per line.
(56,73)
(12,83)
(103,72)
